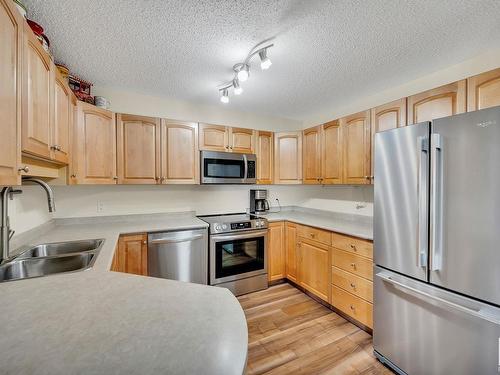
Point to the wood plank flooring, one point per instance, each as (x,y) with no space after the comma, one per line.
(290,333)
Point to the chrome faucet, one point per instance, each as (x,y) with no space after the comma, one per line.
(5,232)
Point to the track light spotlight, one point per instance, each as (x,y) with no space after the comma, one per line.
(237,88)
(265,62)
(224,96)
(243,73)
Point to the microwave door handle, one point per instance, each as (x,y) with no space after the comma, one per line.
(245,161)
(422,191)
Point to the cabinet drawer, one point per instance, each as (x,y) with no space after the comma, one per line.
(352,263)
(353,306)
(353,284)
(353,245)
(315,234)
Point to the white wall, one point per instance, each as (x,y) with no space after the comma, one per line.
(30,209)
(148,105)
(479,64)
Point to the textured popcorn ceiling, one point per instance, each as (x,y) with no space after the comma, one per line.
(326,54)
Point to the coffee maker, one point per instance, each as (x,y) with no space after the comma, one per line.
(258,201)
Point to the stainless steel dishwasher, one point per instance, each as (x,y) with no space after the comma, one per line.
(179,255)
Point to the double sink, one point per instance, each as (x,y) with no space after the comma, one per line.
(51,258)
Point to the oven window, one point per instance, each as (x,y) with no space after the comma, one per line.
(222,168)
(239,256)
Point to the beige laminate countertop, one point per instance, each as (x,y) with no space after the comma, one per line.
(353,225)
(103,322)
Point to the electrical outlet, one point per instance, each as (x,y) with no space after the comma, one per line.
(100,206)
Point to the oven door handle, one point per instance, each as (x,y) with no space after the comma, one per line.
(239,236)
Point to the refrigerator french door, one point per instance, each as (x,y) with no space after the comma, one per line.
(436,236)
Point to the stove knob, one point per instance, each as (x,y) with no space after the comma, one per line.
(224,226)
(218,227)
(257,223)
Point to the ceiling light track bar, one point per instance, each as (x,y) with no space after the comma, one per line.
(242,70)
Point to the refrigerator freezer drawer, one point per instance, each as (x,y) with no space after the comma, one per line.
(425,330)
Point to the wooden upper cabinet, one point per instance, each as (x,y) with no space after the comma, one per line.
(180,157)
(63,118)
(11,45)
(241,140)
(356,135)
(95,146)
(483,90)
(131,255)
(291,251)
(312,155)
(331,153)
(213,137)
(276,251)
(288,158)
(265,157)
(443,101)
(138,149)
(385,117)
(38,94)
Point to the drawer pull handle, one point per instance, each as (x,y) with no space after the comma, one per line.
(354,247)
(352,308)
(353,285)
(353,265)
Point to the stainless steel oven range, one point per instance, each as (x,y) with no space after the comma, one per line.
(238,252)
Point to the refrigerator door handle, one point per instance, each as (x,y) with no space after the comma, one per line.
(467,310)
(436,202)
(422,191)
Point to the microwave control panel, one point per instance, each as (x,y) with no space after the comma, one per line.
(251,169)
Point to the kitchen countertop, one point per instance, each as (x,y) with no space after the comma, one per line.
(353,225)
(103,322)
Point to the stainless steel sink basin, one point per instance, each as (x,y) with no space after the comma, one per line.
(36,267)
(60,248)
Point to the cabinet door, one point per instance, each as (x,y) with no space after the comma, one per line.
(180,158)
(265,153)
(291,251)
(443,101)
(131,256)
(385,117)
(356,134)
(288,158)
(38,94)
(11,39)
(276,252)
(95,145)
(331,153)
(483,90)
(314,268)
(241,140)
(213,137)
(138,149)
(312,155)
(62,119)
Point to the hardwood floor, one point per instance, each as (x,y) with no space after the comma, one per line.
(290,333)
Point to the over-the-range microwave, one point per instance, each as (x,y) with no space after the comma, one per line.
(227,168)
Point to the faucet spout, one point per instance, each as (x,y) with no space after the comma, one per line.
(48,190)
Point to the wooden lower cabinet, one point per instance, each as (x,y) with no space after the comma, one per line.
(313,267)
(291,251)
(131,254)
(355,307)
(276,251)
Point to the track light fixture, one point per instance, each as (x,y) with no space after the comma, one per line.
(242,71)
(224,96)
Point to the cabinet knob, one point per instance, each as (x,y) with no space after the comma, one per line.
(231,147)
(144,242)
(115,177)
(353,247)
(367,177)
(56,148)
(353,265)
(353,286)
(73,176)
(352,307)
(24,169)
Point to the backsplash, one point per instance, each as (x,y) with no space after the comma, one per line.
(30,209)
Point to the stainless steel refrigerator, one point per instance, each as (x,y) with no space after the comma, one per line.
(437,246)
